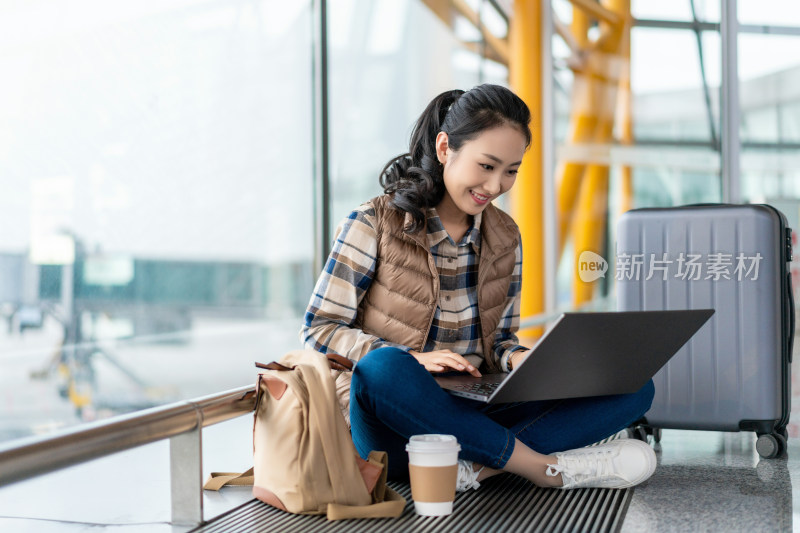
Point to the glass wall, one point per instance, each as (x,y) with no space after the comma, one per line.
(769,106)
(769,98)
(157,182)
(382,76)
(664,146)
(155,191)
(673,151)
(769,12)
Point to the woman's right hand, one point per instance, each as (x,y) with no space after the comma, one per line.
(444,361)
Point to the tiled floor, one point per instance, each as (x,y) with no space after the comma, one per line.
(716,482)
(709,481)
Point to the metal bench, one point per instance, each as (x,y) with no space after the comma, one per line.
(503,503)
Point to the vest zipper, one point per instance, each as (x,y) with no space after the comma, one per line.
(435,278)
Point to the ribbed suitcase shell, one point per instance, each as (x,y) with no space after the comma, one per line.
(734,373)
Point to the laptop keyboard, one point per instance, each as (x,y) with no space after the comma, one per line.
(477,388)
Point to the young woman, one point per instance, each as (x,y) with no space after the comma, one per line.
(426,279)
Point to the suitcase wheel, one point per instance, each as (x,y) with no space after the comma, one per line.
(771,445)
(642,432)
(657,434)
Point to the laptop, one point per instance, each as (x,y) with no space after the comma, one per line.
(587,354)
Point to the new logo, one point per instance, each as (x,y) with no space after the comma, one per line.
(591,267)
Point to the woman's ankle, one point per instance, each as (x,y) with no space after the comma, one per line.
(533,466)
(485,472)
(544,480)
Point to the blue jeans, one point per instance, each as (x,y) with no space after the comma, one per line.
(392,397)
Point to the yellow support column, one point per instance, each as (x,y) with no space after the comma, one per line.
(590,224)
(626,106)
(525,76)
(582,126)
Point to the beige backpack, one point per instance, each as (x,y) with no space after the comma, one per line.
(304,460)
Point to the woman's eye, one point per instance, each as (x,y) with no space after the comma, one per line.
(513,172)
(486,167)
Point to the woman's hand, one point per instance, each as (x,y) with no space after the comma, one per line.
(517,358)
(444,361)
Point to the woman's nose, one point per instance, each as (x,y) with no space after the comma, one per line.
(492,185)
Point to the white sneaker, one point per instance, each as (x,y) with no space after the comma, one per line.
(626,433)
(617,464)
(467,476)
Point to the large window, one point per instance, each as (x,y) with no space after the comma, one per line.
(676,146)
(388,59)
(155,200)
(655,134)
(157,182)
(769,98)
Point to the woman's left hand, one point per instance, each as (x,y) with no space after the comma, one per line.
(517,357)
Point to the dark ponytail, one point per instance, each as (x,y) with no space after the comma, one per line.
(415,179)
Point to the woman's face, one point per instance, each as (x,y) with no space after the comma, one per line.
(483,169)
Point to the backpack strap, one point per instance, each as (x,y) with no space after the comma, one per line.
(217,480)
(335,361)
(338,362)
(391,507)
(387,502)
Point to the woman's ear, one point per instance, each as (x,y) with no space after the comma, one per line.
(441,147)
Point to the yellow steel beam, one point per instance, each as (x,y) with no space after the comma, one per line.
(626,118)
(497,48)
(598,12)
(442,9)
(489,52)
(590,225)
(606,65)
(626,138)
(498,45)
(582,126)
(527,196)
(580,28)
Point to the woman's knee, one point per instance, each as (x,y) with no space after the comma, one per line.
(382,367)
(643,399)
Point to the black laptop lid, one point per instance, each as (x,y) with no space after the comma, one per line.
(593,354)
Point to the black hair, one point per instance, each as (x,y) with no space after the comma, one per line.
(415,179)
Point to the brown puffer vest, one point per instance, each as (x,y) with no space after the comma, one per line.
(399,305)
(401,301)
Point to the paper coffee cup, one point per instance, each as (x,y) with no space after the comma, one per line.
(433,469)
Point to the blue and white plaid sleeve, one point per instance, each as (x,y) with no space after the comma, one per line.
(348,273)
(505,341)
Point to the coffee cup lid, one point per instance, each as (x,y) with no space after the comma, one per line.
(433,443)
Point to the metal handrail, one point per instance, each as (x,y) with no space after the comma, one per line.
(33,456)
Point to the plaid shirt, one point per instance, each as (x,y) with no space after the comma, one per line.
(332,311)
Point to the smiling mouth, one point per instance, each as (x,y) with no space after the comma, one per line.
(481,199)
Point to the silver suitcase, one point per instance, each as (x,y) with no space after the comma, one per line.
(734,374)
